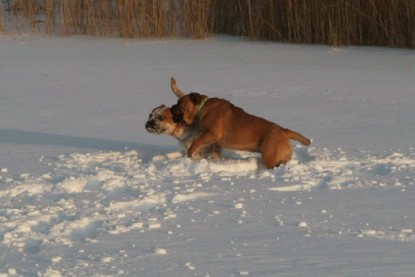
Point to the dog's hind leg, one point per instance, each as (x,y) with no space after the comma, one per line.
(215,152)
(275,150)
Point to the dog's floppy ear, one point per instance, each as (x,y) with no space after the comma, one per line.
(195,97)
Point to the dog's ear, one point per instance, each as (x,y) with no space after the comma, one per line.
(195,98)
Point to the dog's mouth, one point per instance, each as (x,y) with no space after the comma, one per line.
(153,128)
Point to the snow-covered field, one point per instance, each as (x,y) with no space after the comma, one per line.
(86,191)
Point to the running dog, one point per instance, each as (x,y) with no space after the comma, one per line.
(222,123)
(160,121)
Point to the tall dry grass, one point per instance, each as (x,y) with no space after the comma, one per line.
(2,29)
(124,18)
(333,22)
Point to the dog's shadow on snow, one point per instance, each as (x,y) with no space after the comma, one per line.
(147,151)
(21,137)
(303,155)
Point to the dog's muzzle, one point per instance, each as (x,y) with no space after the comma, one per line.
(150,124)
(153,128)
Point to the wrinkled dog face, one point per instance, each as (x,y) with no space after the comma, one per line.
(186,108)
(160,121)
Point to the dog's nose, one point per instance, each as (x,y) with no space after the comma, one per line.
(150,124)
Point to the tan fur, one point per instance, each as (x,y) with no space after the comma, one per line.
(231,127)
(160,121)
(176,90)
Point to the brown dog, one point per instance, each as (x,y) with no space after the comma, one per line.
(231,127)
(160,121)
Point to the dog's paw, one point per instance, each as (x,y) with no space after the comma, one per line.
(214,156)
(196,156)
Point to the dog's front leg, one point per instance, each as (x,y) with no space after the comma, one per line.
(206,138)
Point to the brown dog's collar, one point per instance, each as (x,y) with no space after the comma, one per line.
(200,107)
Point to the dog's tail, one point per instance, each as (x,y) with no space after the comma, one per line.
(298,137)
(176,90)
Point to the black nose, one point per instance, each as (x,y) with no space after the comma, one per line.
(150,124)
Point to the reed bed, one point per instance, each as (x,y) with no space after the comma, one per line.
(334,22)
(123,18)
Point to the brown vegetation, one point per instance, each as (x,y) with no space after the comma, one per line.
(333,22)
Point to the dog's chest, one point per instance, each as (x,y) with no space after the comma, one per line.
(187,138)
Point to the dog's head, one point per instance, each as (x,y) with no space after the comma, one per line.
(186,108)
(160,121)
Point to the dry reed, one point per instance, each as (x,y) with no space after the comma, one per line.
(333,22)
(2,28)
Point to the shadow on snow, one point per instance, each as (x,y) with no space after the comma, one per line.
(12,136)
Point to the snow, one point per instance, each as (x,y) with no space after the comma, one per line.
(86,191)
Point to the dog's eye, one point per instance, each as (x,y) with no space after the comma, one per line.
(161,118)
